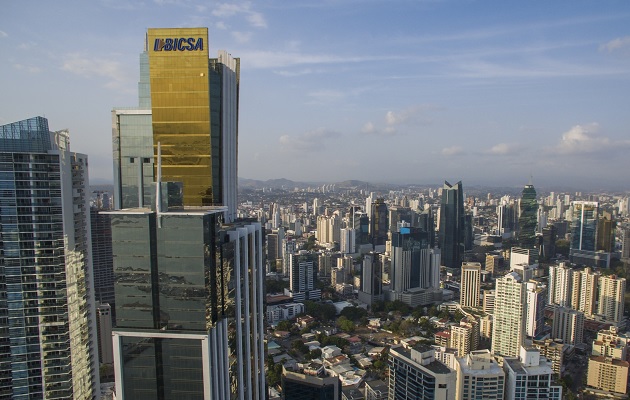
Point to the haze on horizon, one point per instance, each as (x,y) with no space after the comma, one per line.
(381,91)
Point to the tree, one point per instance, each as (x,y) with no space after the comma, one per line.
(321,311)
(345,324)
(275,286)
(353,313)
(299,346)
(313,354)
(284,326)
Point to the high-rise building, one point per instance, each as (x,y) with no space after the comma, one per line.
(48,341)
(104,330)
(536,300)
(188,274)
(528,218)
(470,285)
(452,225)
(510,309)
(101,231)
(560,284)
(465,336)
(584,294)
(612,291)
(303,276)
(378,223)
(414,373)
(608,375)
(188,103)
(568,325)
(189,299)
(479,377)
(584,234)
(371,278)
(414,264)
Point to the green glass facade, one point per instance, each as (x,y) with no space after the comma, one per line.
(528,218)
(452,225)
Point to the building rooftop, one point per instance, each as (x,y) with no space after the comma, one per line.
(435,367)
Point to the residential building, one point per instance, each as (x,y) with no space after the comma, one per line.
(607,374)
(560,284)
(48,337)
(303,276)
(376,390)
(552,351)
(509,316)
(479,377)
(568,326)
(470,285)
(414,373)
(530,376)
(612,291)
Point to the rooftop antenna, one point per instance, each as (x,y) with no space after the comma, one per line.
(158,186)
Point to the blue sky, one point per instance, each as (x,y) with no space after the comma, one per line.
(487,92)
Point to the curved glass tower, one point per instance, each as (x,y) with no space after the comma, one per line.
(527,220)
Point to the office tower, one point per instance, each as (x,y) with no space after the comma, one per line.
(303,276)
(527,218)
(536,299)
(479,377)
(101,231)
(376,390)
(398,214)
(612,292)
(48,342)
(316,206)
(606,232)
(273,252)
(194,117)
(530,377)
(104,331)
(625,242)
(548,246)
(371,278)
(584,233)
(506,219)
(521,256)
(189,299)
(509,316)
(560,282)
(189,276)
(348,241)
(414,264)
(414,373)
(288,249)
(568,325)
(452,220)
(426,222)
(378,223)
(470,285)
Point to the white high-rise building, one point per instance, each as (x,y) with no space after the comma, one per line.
(560,282)
(536,299)
(470,285)
(348,241)
(585,285)
(612,292)
(509,316)
(568,325)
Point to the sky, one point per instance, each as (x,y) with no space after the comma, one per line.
(486,92)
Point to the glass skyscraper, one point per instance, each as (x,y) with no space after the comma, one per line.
(188,275)
(452,225)
(48,338)
(527,220)
(189,104)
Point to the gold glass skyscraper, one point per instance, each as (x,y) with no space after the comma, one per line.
(189,105)
(180,99)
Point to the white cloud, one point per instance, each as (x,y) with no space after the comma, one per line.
(220,25)
(28,68)
(368,128)
(241,37)
(227,10)
(3,34)
(310,141)
(503,149)
(411,116)
(452,151)
(89,67)
(616,44)
(584,139)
